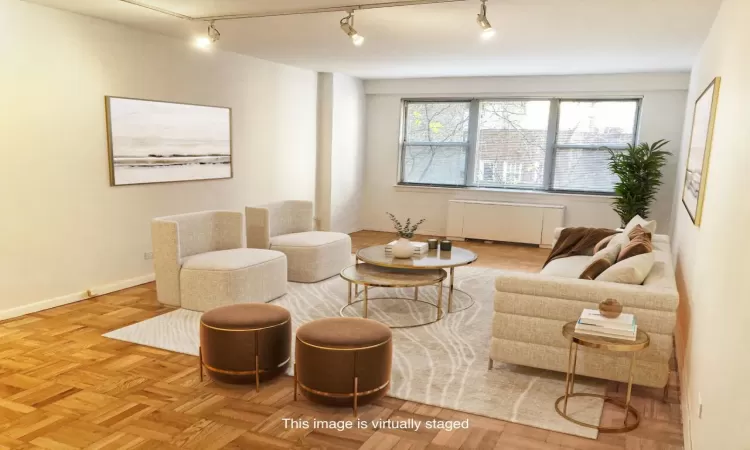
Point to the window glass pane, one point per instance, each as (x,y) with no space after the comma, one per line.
(437,122)
(597,123)
(583,170)
(435,164)
(511,144)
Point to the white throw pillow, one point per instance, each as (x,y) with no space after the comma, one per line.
(633,270)
(609,253)
(648,225)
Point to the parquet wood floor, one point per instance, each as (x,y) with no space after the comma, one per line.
(64,386)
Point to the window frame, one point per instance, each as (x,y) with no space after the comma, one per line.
(403,142)
(551,147)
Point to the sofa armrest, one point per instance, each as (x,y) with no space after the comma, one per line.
(590,291)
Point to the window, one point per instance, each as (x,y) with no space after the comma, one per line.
(540,144)
(513,138)
(436,143)
(584,128)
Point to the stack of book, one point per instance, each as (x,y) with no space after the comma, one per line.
(420,248)
(622,327)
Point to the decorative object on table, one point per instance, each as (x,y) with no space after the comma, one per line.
(403,248)
(639,342)
(418,248)
(593,322)
(245,343)
(343,361)
(446,246)
(610,308)
(151,141)
(638,168)
(699,153)
(432,244)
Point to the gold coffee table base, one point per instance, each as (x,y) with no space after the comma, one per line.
(440,313)
(629,410)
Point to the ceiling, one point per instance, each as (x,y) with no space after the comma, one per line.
(535,37)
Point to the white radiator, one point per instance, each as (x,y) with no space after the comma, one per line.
(506,222)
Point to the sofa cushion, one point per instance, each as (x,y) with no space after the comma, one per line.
(633,270)
(224,260)
(307,239)
(570,267)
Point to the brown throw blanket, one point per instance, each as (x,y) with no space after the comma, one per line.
(577,241)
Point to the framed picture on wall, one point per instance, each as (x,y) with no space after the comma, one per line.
(151,141)
(699,152)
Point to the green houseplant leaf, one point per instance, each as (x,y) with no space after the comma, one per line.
(639,170)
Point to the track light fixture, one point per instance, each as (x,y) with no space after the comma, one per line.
(347,25)
(211,37)
(484,23)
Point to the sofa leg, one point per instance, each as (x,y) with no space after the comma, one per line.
(491,363)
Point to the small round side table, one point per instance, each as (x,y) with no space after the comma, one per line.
(603,343)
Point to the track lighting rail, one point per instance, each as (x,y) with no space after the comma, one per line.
(347,9)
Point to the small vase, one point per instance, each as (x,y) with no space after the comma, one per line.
(402,249)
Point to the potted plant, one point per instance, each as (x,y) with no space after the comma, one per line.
(639,170)
(402,248)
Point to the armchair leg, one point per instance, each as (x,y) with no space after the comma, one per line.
(491,364)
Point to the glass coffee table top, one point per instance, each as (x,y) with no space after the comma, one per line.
(434,259)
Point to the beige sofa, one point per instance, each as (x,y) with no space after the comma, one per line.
(531,308)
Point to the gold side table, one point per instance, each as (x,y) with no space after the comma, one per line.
(603,343)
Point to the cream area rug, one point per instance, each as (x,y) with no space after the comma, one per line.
(443,364)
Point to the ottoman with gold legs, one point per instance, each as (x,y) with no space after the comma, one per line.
(343,361)
(245,343)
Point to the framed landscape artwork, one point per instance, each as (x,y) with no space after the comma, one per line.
(159,142)
(699,152)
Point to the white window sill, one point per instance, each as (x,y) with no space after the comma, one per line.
(436,189)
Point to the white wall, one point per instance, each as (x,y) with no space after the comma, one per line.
(662,115)
(64,229)
(712,268)
(341,144)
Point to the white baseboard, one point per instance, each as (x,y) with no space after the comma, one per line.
(74,297)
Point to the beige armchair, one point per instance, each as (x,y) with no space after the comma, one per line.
(201,263)
(288,227)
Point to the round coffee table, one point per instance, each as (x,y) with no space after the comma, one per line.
(369,275)
(603,343)
(434,259)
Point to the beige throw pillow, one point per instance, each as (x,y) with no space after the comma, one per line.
(633,270)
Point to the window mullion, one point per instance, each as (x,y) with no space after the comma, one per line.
(472,148)
(549,154)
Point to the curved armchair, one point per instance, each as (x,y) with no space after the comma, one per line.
(201,263)
(288,227)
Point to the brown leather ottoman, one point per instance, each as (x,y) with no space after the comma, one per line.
(343,361)
(245,343)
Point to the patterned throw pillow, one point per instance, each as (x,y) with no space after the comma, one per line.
(640,243)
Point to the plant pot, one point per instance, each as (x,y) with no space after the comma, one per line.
(402,249)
